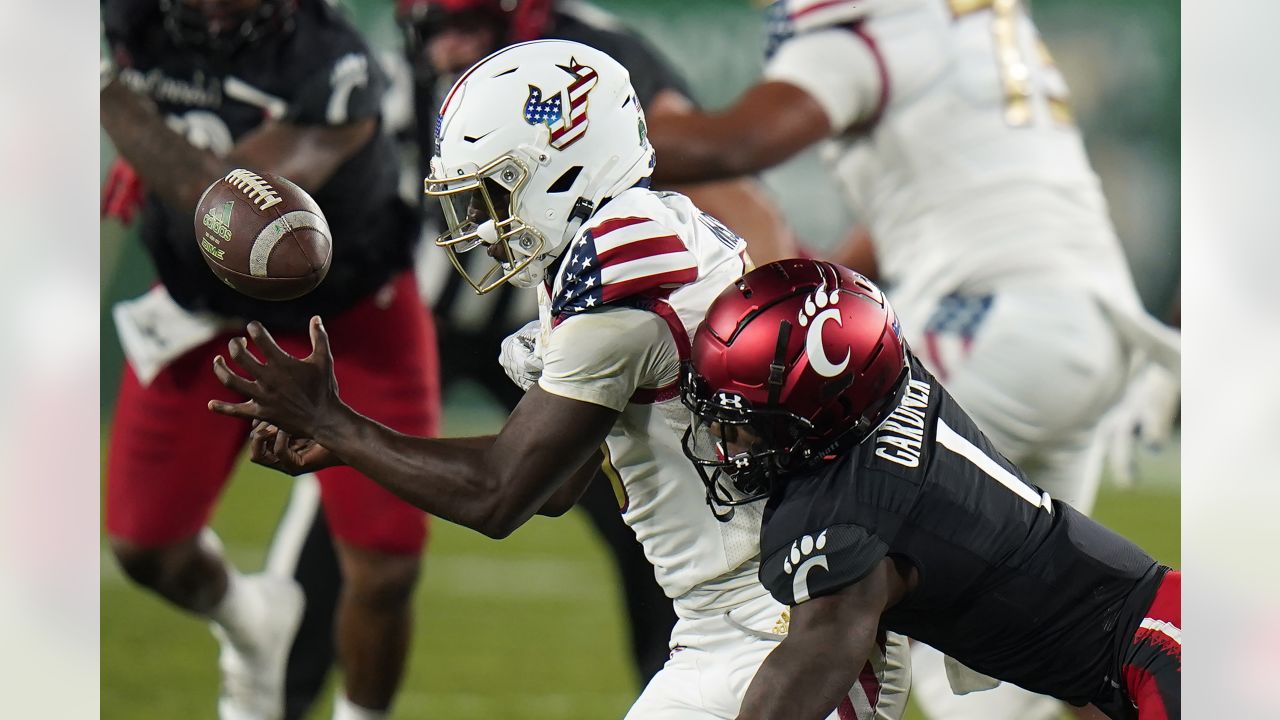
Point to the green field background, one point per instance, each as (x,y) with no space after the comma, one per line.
(532,627)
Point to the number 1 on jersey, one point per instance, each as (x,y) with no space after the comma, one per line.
(958,444)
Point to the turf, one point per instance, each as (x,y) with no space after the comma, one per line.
(530,627)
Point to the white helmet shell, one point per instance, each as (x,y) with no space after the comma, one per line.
(557,125)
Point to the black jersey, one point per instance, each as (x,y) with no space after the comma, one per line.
(489,318)
(319,73)
(1012,583)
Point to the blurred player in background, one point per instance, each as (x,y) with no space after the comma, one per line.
(886,505)
(947,125)
(442,39)
(542,167)
(196,88)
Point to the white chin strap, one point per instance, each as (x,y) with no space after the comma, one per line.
(577,219)
(529,277)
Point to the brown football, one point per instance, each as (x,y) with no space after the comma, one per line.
(263,235)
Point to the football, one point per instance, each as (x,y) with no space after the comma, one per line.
(263,235)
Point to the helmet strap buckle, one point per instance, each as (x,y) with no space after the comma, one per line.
(582,209)
(778,368)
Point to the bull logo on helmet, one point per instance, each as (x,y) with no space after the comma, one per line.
(564,113)
(813,319)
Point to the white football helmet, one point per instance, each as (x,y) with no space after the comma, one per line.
(530,140)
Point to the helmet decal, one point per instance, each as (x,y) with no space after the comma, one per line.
(729,400)
(813,346)
(566,129)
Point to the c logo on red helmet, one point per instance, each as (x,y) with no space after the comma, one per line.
(813,319)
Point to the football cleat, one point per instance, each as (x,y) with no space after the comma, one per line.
(252,662)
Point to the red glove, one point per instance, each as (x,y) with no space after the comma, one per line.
(122,193)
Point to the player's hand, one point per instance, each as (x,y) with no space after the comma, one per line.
(1143,419)
(272,447)
(296,395)
(521,355)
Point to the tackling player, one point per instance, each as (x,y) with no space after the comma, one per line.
(199,87)
(887,507)
(947,125)
(543,165)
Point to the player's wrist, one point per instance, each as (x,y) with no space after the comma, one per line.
(335,428)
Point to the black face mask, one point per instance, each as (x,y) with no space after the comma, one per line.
(730,481)
(741,453)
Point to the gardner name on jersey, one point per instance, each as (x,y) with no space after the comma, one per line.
(1012,583)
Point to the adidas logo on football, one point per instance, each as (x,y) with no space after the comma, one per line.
(218,220)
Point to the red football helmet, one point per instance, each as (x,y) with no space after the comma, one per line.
(519,20)
(796,361)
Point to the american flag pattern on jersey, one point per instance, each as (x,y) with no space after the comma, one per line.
(566,127)
(621,258)
(949,333)
(786,18)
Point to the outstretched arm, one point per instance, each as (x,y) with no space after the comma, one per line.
(179,171)
(770,123)
(829,642)
(494,484)
(272,447)
(816,85)
(741,203)
(491,484)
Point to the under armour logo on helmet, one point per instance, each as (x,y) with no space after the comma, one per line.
(729,400)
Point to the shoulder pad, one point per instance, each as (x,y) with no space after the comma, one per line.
(621,259)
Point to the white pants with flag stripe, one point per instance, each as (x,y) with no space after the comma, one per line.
(715,657)
(1037,368)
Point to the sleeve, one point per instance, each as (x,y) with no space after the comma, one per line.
(348,88)
(839,68)
(827,532)
(603,357)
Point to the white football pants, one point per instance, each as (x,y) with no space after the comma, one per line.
(715,657)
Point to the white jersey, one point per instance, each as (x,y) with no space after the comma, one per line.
(954,143)
(634,284)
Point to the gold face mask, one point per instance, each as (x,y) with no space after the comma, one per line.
(479,213)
